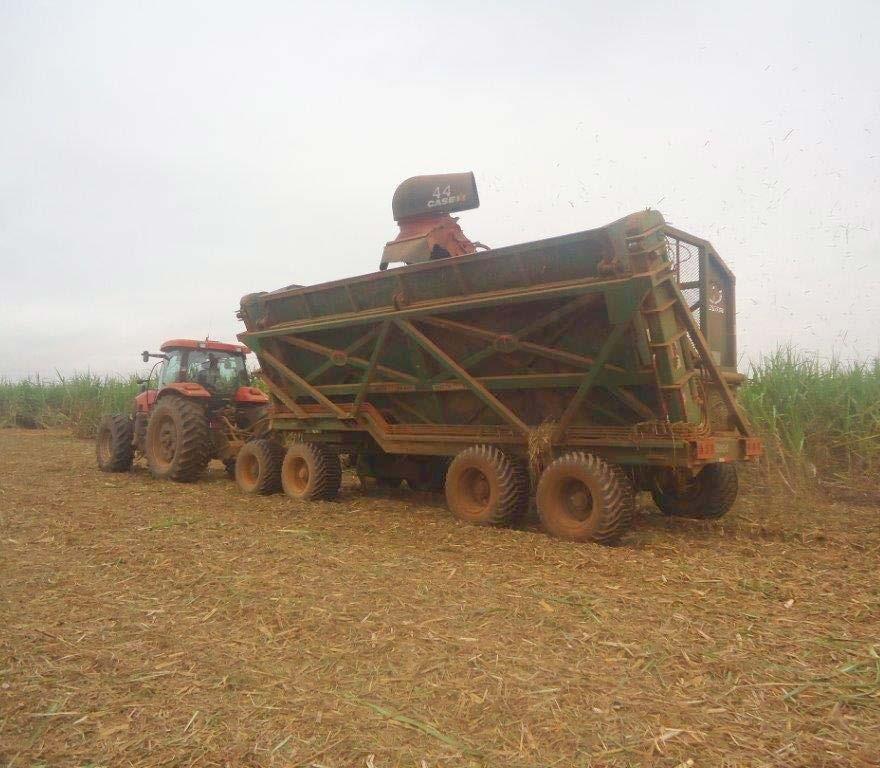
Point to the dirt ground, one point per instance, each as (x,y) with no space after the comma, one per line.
(144,623)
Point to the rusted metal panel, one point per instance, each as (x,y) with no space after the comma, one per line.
(591,333)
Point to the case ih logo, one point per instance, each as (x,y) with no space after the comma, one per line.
(716,297)
(445,196)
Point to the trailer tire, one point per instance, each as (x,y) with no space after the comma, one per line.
(258,467)
(310,472)
(524,483)
(178,440)
(711,495)
(580,498)
(629,494)
(484,487)
(114,443)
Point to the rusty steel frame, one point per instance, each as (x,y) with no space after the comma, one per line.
(353,347)
(655,448)
(706,251)
(540,350)
(447,362)
(345,358)
(655,440)
(579,302)
(279,392)
(708,360)
(300,383)
(480,386)
(589,379)
(372,367)
(562,289)
(493,383)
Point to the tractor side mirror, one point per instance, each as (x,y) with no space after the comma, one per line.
(145,356)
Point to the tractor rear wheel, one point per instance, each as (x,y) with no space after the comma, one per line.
(485,487)
(114,444)
(310,472)
(707,496)
(580,498)
(178,440)
(258,467)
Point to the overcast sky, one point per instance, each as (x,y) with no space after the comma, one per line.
(159,160)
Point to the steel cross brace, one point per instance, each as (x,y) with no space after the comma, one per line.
(478,389)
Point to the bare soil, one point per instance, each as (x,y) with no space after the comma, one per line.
(146,623)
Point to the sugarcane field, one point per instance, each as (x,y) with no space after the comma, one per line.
(405,386)
(148,624)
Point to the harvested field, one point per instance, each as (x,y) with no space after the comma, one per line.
(144,623)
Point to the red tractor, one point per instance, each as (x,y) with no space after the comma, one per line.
(201,407)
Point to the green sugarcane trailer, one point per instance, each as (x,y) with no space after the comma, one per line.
(591,366)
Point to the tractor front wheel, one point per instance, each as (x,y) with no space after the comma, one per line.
(178,440)
(258,467)
(707,496)
(310,472)
(114,444)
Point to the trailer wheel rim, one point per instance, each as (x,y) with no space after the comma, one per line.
(248,469)
(575,498)
(297,473)
(474,492)
(581,497)
(567,497)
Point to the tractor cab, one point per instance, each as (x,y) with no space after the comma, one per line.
(211,370)
(199,405)
(218,368)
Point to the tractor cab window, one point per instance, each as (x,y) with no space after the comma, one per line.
(219,372)
(170,371)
